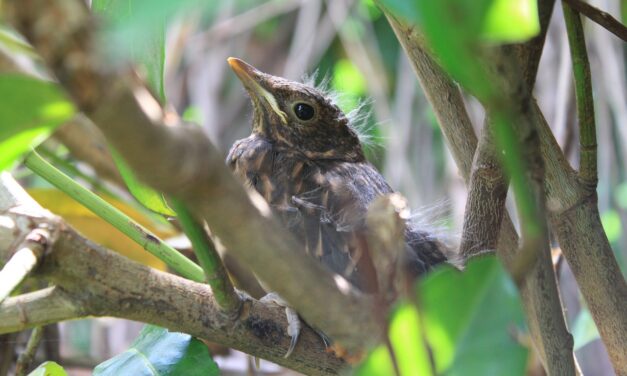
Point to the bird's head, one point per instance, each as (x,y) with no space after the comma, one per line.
(298,117)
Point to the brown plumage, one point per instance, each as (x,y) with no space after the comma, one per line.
(304,158)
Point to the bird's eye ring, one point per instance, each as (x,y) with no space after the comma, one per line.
(304,111)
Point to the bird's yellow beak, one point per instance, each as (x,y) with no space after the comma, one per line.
(252,80)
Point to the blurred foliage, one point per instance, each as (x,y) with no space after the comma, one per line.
(48,369)
(159,352)
(348,81)
(30,110)
(458,321)
(611,224)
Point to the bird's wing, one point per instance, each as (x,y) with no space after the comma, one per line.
(332,204)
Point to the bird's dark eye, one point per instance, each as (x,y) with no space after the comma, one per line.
(304,111)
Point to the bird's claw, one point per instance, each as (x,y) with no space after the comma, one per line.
(293,321)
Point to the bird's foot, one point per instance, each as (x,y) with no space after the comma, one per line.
(293,321)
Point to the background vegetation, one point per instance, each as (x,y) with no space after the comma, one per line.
(470,323)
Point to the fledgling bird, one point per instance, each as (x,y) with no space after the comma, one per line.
(306,160)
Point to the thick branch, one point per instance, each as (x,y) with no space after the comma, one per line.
(602,18)
(187,166)
(487,191)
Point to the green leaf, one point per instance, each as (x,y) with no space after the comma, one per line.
(466,319)
(410,353)
(48,369)
(30,110)
(147,196)
(469,316)
(511,21)
(584,329)
(159,352)
(611,225)
(349,81)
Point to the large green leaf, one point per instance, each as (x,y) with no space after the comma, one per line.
(48,369)
(29,109)
(159,352)
(469,318)
(466,319)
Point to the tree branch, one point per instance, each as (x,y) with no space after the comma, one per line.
(602,18)
(187,166)
(539,290)
(92,281)
(583,94)
(23,261)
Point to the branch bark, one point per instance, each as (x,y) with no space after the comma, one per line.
(92,281)
(187,166)
(602,18)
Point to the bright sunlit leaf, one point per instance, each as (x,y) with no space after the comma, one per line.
(466,319)
(468,335)
(48,369)
(349,81)
(611,224)
(30,110)
(406,338)
(14,147)
(158,351)
(511,21)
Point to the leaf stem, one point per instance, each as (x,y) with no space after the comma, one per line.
(115,217)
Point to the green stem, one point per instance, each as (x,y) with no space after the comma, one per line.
(215,272)
(69,167)
(583,94)
(115,217)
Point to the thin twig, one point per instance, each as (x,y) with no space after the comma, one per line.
(583,93)
(26,258)
(602,18)
(211,263)
(25,358)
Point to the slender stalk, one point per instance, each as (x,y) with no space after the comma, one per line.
(211,263)
(25,358)
(115,217)
(73,170)
(583,94)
